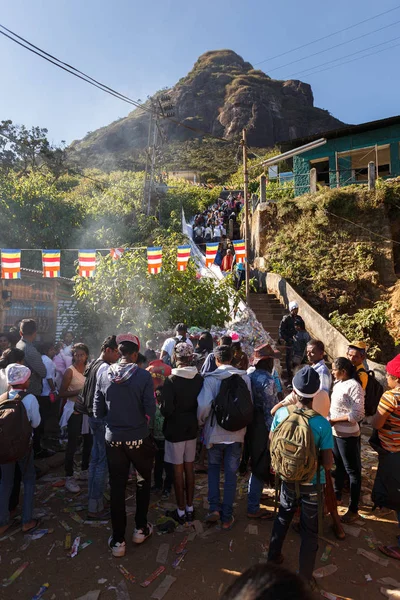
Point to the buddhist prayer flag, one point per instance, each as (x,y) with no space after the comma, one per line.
(240,250)
(10,264)
(87,263)
(211,253)
(154,259)
(51,263)
(183,257)
(116,253)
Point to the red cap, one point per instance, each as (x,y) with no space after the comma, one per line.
(128,337)
(393,367)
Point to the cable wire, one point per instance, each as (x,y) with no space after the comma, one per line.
(329,35)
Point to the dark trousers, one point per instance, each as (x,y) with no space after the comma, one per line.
(160,466)
(347,453)
(119,459)
(289,361)
(16,489)
(308,502)
(74,432)
(45,411)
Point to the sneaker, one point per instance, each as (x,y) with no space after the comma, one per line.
(173,514)
(141,535)
(117,549)
(71,485)
(83,475)
(189,516)
(213,517)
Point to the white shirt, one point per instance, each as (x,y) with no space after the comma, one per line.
(31,405)
(3,381)
(50,374)
(169,345)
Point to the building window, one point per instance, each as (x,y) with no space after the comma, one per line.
(322,167)
(353,165)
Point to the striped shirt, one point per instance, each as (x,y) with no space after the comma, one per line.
(390,432)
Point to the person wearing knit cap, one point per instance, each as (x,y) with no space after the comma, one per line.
(287,331)
(357,353)
(18,378)
(306,384)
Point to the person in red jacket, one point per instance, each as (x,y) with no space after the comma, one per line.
(227,261)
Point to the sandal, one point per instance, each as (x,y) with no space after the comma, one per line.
(5,528)
(392,551)
(350,517)
(338,532)
(228,526)
(261,514)
(33,528)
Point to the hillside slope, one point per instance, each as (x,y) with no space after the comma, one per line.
(220,95)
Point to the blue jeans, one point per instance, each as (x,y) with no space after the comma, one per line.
(97,466)
(308,501)
(256,486)
(27,468)
(230,454)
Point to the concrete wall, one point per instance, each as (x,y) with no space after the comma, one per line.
(385,135)
(318,327)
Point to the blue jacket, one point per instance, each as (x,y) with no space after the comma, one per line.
(124,396)
(264,393)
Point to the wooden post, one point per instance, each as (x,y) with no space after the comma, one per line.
(371,175)
(263,188)
(313,180)
(337,170)
(246,215)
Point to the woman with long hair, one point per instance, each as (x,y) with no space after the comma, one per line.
(346,412)
(71,387)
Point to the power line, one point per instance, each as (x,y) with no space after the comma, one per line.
(77,73)
(329,35)
(353,60)
(335,46)
(305,71)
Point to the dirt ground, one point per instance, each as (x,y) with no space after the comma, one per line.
(213,560)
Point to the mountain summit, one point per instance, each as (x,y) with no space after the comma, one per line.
(221,95)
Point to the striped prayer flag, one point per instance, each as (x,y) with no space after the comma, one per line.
(211,253)
(154,259)
(240,250)
(183,256)
(87,263)
(10,264)
(51,260)
(116,253)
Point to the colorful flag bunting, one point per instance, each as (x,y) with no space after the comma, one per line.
(240,250)
(51,263)
(183,257)
(211,253)
(154,259)
(116,253)
(87,263)
(10,264)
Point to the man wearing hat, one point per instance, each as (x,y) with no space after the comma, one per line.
(287,331)
(168,346)
(306,384)
(357,354)
(124,397)
(264,398)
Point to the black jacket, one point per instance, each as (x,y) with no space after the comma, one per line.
(287,329)
(179,406)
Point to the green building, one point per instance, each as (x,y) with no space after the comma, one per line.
(344,159)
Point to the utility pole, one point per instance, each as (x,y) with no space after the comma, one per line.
(246,216)
(153,162)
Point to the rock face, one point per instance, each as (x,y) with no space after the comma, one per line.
(221,95)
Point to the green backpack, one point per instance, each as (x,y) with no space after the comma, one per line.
(294,456)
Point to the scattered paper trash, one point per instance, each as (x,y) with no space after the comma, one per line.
(179,559)
(163,588)
(389,581)
(128,576)
(350,530)
(376,559)
(162,554)
(101,581)
(326,554)
(122,591)
(153,576)
(368,577)
(325,571)
(231,546)
(93,595)
(252,529)
(43,588)
(75,547)
(14,560)
(14,576)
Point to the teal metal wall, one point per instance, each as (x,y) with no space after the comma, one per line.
(385,135)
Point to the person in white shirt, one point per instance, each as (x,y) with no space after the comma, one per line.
(18,377)
(167,349)
(48,382)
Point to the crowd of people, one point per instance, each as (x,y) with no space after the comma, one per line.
(220,224)
(192,406)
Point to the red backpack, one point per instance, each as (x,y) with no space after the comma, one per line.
(15,429)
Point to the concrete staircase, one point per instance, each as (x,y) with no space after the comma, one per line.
(268,311)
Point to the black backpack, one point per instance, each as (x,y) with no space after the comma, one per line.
(233,407)
(15,429)
(373,393)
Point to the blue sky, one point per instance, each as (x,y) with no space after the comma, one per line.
(140,47)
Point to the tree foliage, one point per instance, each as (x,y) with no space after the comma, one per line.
(123,295)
